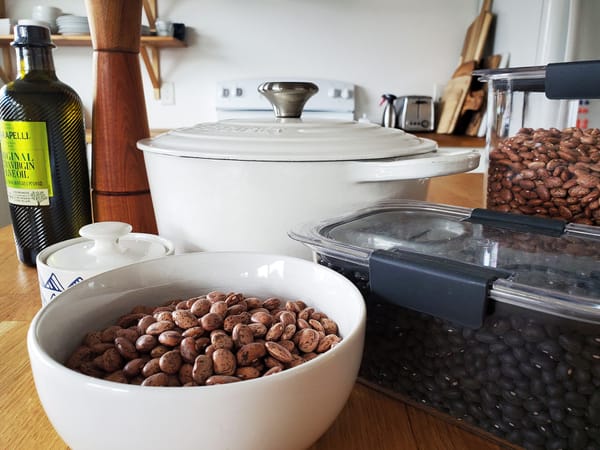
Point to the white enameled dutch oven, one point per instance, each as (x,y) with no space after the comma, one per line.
(243,184)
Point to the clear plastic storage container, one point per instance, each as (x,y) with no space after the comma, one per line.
(544,152)
(492,319)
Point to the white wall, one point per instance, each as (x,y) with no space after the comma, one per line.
(398,46)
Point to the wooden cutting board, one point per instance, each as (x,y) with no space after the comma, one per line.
(457,89)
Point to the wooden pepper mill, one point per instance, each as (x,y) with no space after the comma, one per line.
(120,190)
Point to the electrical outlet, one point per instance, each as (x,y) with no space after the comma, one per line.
(167,93)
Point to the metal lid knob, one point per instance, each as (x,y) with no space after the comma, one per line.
(288,97)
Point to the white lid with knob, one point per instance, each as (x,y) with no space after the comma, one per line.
(108,245)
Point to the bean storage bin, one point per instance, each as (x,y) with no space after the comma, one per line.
(489,318)
(543,149)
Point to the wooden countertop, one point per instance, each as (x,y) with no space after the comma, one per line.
(370,420)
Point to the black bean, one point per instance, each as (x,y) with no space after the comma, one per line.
(591,353)
(555,390)
(556,402)
(458,408)
(516,322)
(548,376)
(453,394)
(492,413)
(533,333)
(498,347)
(585,389)
(528,445)
(499,326)
(550,348)
(556,444)
(501,428)
(595,399)
(560,429)
(541,419)
(570,343)
(512,411)
(514,436)
(578,439)
(511,397)
(578,361)
(574,422)
(570,385)
(542,361)
(523,393)
(492,360)
(529,371)
(475,411)
(576,400)
(521,354)
(582,377)
(513,339)
(563,371)
(507,358)
(458,372)
(595,369)
(578,412)
(537,387)
(533,404)
(471,384)
(534,436)
(503,384)
(511,371)
(471,396)
(557,414)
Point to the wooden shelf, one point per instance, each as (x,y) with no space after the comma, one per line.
(454,140)
(149,48)
(85,40)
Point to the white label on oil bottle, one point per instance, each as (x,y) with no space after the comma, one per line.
(26,162)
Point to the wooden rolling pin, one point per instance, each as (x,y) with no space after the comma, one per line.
(120,189)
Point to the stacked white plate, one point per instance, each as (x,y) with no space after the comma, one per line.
(69,24)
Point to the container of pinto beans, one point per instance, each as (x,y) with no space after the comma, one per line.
(490,319)
(544,152)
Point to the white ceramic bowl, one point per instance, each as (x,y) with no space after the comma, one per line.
(289,410)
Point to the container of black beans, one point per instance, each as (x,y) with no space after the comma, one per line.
(489,318)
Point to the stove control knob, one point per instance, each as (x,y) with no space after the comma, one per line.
(347,94)
(334,92)
(224,92)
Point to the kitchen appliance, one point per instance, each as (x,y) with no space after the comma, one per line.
(290,410)
(240,99)
(389,118)
(491,319)
(242,184)
(415,113)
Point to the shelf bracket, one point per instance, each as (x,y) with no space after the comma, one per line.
(151,55)
(151,58)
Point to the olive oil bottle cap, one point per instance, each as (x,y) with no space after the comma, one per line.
(32,36)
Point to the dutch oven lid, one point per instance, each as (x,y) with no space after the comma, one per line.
(104,246)
(288,137)
(449,261)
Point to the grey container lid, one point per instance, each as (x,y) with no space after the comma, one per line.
(539,264)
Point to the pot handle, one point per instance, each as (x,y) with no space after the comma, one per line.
(288,97)
(444,161)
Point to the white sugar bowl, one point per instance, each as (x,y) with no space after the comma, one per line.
(102,246)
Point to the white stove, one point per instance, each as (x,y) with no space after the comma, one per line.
(241,99)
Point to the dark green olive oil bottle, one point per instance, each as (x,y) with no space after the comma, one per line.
(42,138)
